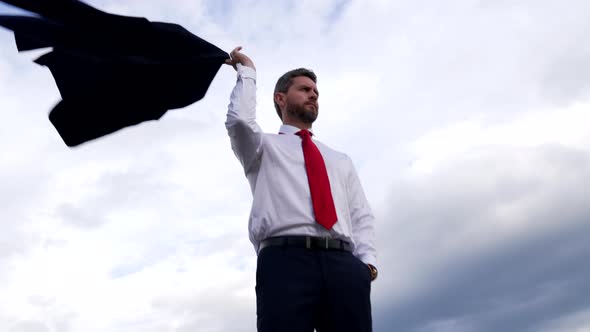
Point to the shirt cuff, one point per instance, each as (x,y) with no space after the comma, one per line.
(246,72)
(369,259)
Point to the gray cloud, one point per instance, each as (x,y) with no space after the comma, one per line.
(477,269)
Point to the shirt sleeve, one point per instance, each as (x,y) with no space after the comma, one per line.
(244,133)
(362,219)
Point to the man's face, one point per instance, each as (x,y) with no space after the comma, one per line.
(302,99)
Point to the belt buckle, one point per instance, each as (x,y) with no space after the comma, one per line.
(308,242)
(327,245)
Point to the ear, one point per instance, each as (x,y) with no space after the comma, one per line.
(281,99)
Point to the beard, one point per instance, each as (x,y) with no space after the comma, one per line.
(302,113)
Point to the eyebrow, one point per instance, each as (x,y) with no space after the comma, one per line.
(305,85)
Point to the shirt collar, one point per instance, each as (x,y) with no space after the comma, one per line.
(290,130)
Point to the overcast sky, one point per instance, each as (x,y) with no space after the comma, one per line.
(468,122)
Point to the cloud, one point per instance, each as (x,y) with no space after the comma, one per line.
(577,322)
(490,236)
(466,121)
(30,326)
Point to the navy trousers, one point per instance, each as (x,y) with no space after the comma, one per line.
(299,290)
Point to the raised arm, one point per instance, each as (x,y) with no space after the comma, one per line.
(244,133)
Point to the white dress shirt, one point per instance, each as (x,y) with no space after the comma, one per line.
(275,168)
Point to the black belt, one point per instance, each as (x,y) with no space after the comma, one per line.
(309,242)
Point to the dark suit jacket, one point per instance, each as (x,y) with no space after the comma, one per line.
(112,71)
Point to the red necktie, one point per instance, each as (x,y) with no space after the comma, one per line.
(319,184)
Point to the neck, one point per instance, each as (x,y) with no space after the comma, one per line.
(298,124)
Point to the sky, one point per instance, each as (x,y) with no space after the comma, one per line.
(467,122)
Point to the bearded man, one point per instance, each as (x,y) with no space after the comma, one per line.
(310,223)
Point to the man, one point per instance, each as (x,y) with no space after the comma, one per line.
(310,222)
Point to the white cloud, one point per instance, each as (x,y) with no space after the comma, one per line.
(564,127)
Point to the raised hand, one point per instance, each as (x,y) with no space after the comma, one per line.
(238,57)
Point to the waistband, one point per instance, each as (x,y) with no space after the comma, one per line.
(308,242)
